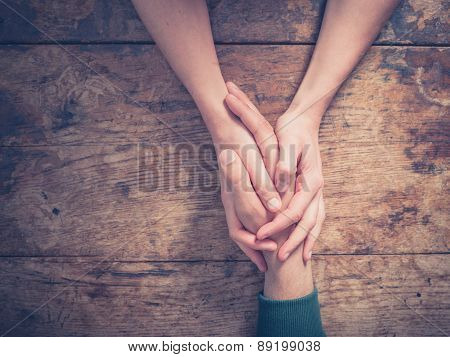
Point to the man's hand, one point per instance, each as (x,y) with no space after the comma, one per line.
(243,208)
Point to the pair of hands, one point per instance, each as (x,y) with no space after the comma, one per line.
(271,180)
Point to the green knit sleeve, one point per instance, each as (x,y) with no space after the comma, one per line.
(290,318)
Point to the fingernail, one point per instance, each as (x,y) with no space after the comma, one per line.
(274,203)
(309,255)
(261,236)
(228,157)
(286,255)
(232,84)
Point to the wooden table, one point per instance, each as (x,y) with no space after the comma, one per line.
(90,245)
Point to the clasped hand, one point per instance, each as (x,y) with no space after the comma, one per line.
(271,181)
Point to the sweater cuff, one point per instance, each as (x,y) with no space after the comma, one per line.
(290,318)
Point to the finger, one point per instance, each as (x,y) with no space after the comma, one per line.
(260,128)
(239,177)
(286,169)
(302,229)
(255,122)
(249,208)
(260,179)
(256,257)
(233,170)
(262,131)
(315,232)
(295,210)
(238,93)
(246,205)
(249,240)
(236,231)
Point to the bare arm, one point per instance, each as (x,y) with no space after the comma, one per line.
(182,31)
(348,29)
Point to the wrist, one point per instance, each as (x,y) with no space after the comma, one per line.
(218,119)
(288,280)
(310,105)
(295,122)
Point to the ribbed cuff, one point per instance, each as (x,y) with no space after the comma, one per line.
(290,318)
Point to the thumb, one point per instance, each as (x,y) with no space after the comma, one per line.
(286,170)
(233,169)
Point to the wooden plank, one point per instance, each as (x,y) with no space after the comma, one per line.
(385,165)
(218,298)
(135,203)
(415,21)
(48,96)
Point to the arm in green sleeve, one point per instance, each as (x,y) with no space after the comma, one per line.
(290,318)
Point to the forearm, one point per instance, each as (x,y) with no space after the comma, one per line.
(348,29)
(182,31)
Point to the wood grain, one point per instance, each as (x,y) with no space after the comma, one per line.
(360,296)
(89,200)
(288,21)
(385,150)
(109,214)
(124,94)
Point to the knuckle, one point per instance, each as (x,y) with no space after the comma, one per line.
(296,216)
(263,192)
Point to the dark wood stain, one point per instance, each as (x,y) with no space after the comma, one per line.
(417,22)
(83,216)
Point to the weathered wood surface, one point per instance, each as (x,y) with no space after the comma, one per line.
(362,296)
(384,141)
(293,21)
(89,200)
(77,180)
(48,96)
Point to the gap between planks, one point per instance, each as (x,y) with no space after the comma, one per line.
(219,43)
(140,260)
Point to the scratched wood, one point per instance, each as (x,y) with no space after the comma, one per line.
(49,96)
(164,203)
(292,21)
(79,131)
(362,296)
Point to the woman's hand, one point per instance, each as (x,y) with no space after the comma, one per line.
(244,210)
(253,139)
(300,162)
